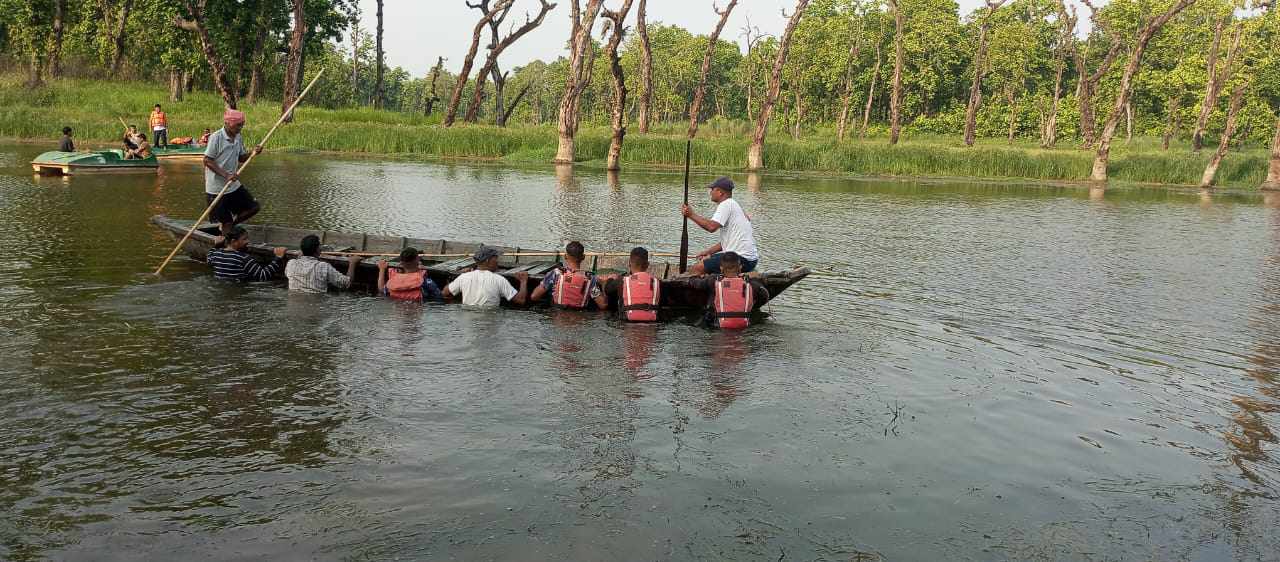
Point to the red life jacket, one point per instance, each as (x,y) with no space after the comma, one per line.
(405,286)
(571,288)
(734,299)
(641,293)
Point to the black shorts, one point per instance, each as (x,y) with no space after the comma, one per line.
(231,205)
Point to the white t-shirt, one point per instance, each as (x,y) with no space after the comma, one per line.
(482,288)
(736,234)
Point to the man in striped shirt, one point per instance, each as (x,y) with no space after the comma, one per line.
(232,263)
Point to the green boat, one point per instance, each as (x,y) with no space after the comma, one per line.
(179,152)
(69,163)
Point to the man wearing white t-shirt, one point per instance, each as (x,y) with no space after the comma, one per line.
(734,227)
(482,287)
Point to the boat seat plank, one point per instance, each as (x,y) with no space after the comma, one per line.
(535,268)
(453,266)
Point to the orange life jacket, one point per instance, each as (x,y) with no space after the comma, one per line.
(734,300)
(182,140)
(641,293)
(405,286)
(572,288)
(158,119)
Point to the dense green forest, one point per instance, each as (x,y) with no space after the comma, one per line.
(1198,74)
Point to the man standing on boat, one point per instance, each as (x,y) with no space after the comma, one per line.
(734,226)
(222,157)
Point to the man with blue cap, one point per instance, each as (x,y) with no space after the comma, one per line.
(485,288)
(734,226)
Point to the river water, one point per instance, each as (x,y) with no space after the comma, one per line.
(975,371)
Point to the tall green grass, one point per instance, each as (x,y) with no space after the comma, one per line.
(92,108)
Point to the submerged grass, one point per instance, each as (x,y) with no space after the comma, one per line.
(93,108)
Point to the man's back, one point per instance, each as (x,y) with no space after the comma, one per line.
(310,275)
(482,288)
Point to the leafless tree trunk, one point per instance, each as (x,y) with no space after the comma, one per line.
(755,154)
(1233,113)
(871,92)
(753,36)
(175,84)
(619,117)
(1216,78)
(379,91)
(506,115)
(895,99)
(295,68)
(1148,31)
(196,24)
(55,51)
(117,47)
(979,68)
(1068,19)
(1128,122)
(259,43)
(701,89)
(451,112)
(1273,171)
(581,55)
(646,68)
(435,75)
(1088,82)
(496,47)
(1011,94)
(1174,104)
(846,101)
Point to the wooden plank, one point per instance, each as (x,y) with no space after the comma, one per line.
(343,240)
(383,244)
(288,237)
(453,266)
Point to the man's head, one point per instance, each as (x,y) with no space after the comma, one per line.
(207,131)
(310,245)
(487,257)
(157,107)
(237,238)
(233,121)
(730,264)
(133,129)
(574,252)
(639,260)
(721,189)
(409,257)
(66,131)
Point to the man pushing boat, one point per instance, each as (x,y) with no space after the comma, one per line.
(734,226)
(222,157)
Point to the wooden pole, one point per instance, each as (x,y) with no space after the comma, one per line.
(514,254)
(684,233)
(243,165)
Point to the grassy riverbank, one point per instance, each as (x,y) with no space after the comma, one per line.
(93,108)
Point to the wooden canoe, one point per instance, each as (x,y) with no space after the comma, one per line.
(179,152)
(69,163)
(677,294)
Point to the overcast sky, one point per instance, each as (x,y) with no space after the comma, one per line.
(417,31)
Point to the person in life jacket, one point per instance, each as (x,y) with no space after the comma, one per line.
(732,295)
(639,293)
(409,282)
(569,285)
(160,127)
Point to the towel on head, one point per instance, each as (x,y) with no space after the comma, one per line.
(233,117)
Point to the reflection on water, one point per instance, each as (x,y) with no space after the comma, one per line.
(977,370)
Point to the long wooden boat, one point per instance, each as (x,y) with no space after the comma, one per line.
(452,258)
(179,152)
(68,163)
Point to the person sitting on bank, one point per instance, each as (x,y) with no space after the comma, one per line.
(233,263)
(308,274)
(569,285)
(130,141)
(409,282)
(734,226)
(483,287)
(640,293)
(222,157)
(731,295)
(160,127)
(67,145)
(204,138)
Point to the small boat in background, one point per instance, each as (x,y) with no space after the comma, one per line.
(179,152)
(69,163)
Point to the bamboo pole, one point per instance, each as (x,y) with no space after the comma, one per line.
(239,170)
(514,254)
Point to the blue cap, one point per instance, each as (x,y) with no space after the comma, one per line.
(722,182)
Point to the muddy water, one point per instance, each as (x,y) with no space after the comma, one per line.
(977,371)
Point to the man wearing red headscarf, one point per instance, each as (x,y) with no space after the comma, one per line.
(222,157)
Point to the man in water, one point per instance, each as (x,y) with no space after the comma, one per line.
(571,277)
(410,282)
(160,127)
(308,274)
(482,287)
(231,262)
(725,308)
(222,157)
(66,145)
(639,292)
(734,226)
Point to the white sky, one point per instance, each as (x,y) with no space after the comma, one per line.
(417,31)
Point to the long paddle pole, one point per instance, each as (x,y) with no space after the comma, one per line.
(243,165)
(684,232)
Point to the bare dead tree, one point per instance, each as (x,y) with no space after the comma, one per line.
(516,102)
(712,41)
(451,112)
(195,8)
(755,154)
(55,50)
(1148,31)
(497,45)
(435,76)
(354,18)
(753,36)
(379,92)
(1272,183)
(899,60)
(581,57)
(618,119)
(1233,113)
(646,68)
(846,101)
(295,67)
(871,92)
(1216,78)
(979,69)
(1068,19)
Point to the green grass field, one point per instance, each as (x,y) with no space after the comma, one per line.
(93,109)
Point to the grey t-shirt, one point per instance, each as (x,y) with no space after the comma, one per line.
(226,152)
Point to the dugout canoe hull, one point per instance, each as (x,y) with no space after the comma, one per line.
(677,294)
(101,161)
